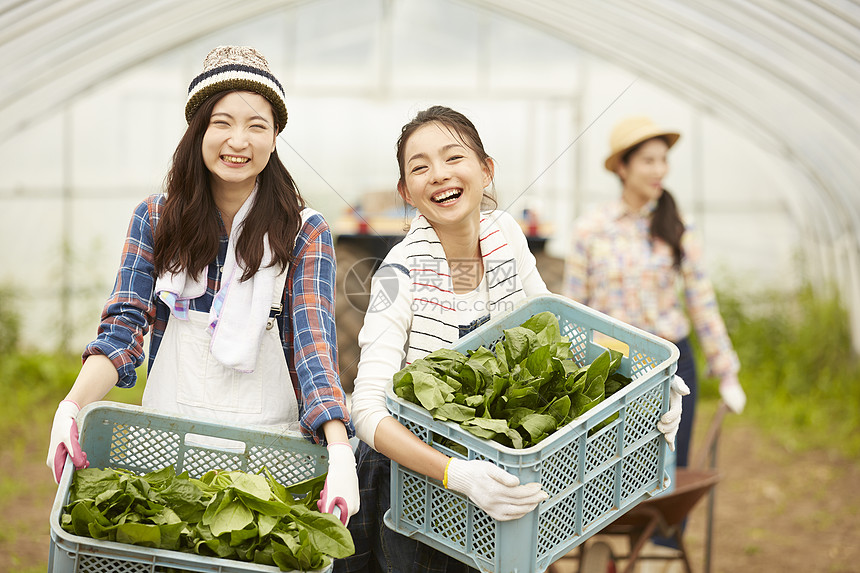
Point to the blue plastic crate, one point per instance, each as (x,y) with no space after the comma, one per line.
(591,479)
(127,437)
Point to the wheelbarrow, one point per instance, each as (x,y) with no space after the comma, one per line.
(663,515)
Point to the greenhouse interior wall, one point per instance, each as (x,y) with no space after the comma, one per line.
(82,150)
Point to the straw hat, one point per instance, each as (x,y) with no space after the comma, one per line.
(236,68)
(630,132)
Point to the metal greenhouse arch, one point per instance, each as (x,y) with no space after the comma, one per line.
(755,64)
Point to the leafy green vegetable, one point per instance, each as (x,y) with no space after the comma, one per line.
(529,388)
(233,515)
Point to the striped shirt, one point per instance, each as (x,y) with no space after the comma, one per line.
(615,267)
(440,315)
(309,338)
(408,318)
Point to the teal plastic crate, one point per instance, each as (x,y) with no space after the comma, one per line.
(127,437)
(591,479)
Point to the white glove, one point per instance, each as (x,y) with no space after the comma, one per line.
(493,489)
(341,484)
(670,421)
(64,440)
(732,394)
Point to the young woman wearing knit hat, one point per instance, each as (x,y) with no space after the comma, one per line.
(631,257)
(233,277)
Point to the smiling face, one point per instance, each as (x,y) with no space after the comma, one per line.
(443,177)
(643,171)
(239,140)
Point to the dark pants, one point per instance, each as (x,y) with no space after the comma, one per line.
(377,548)
(687,371)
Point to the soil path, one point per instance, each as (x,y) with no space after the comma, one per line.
(775,511)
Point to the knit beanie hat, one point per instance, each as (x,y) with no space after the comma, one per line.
(236,68)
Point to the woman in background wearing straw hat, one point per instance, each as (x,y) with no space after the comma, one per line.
(233,277)
(630,257)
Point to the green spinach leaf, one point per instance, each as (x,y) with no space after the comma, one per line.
(518,395)
(232,514)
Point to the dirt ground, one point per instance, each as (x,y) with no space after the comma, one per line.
(776,511)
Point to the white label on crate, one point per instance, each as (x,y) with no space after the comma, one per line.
(213,443)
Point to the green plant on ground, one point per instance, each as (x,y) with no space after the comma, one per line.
(32,384)
(799,371)
(10,323)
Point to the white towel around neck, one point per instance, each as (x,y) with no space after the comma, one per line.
(240,309)
(428,265)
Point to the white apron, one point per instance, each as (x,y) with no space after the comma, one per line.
(187,381)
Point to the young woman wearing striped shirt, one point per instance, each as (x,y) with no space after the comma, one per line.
(457,266)
(461,263)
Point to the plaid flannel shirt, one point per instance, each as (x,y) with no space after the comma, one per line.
(309,338)
(615,267)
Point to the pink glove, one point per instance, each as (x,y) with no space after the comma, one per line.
(733,394)
(494,490)
(341,484)
(64,440)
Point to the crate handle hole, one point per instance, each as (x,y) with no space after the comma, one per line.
(610,343)
(213,443)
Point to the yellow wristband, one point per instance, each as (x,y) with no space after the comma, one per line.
(445,475)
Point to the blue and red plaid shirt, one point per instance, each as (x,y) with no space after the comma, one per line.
(309,338)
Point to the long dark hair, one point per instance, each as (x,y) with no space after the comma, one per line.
(188,231)
(456,123)
(666,223)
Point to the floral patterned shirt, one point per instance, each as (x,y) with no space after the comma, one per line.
(614,266)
